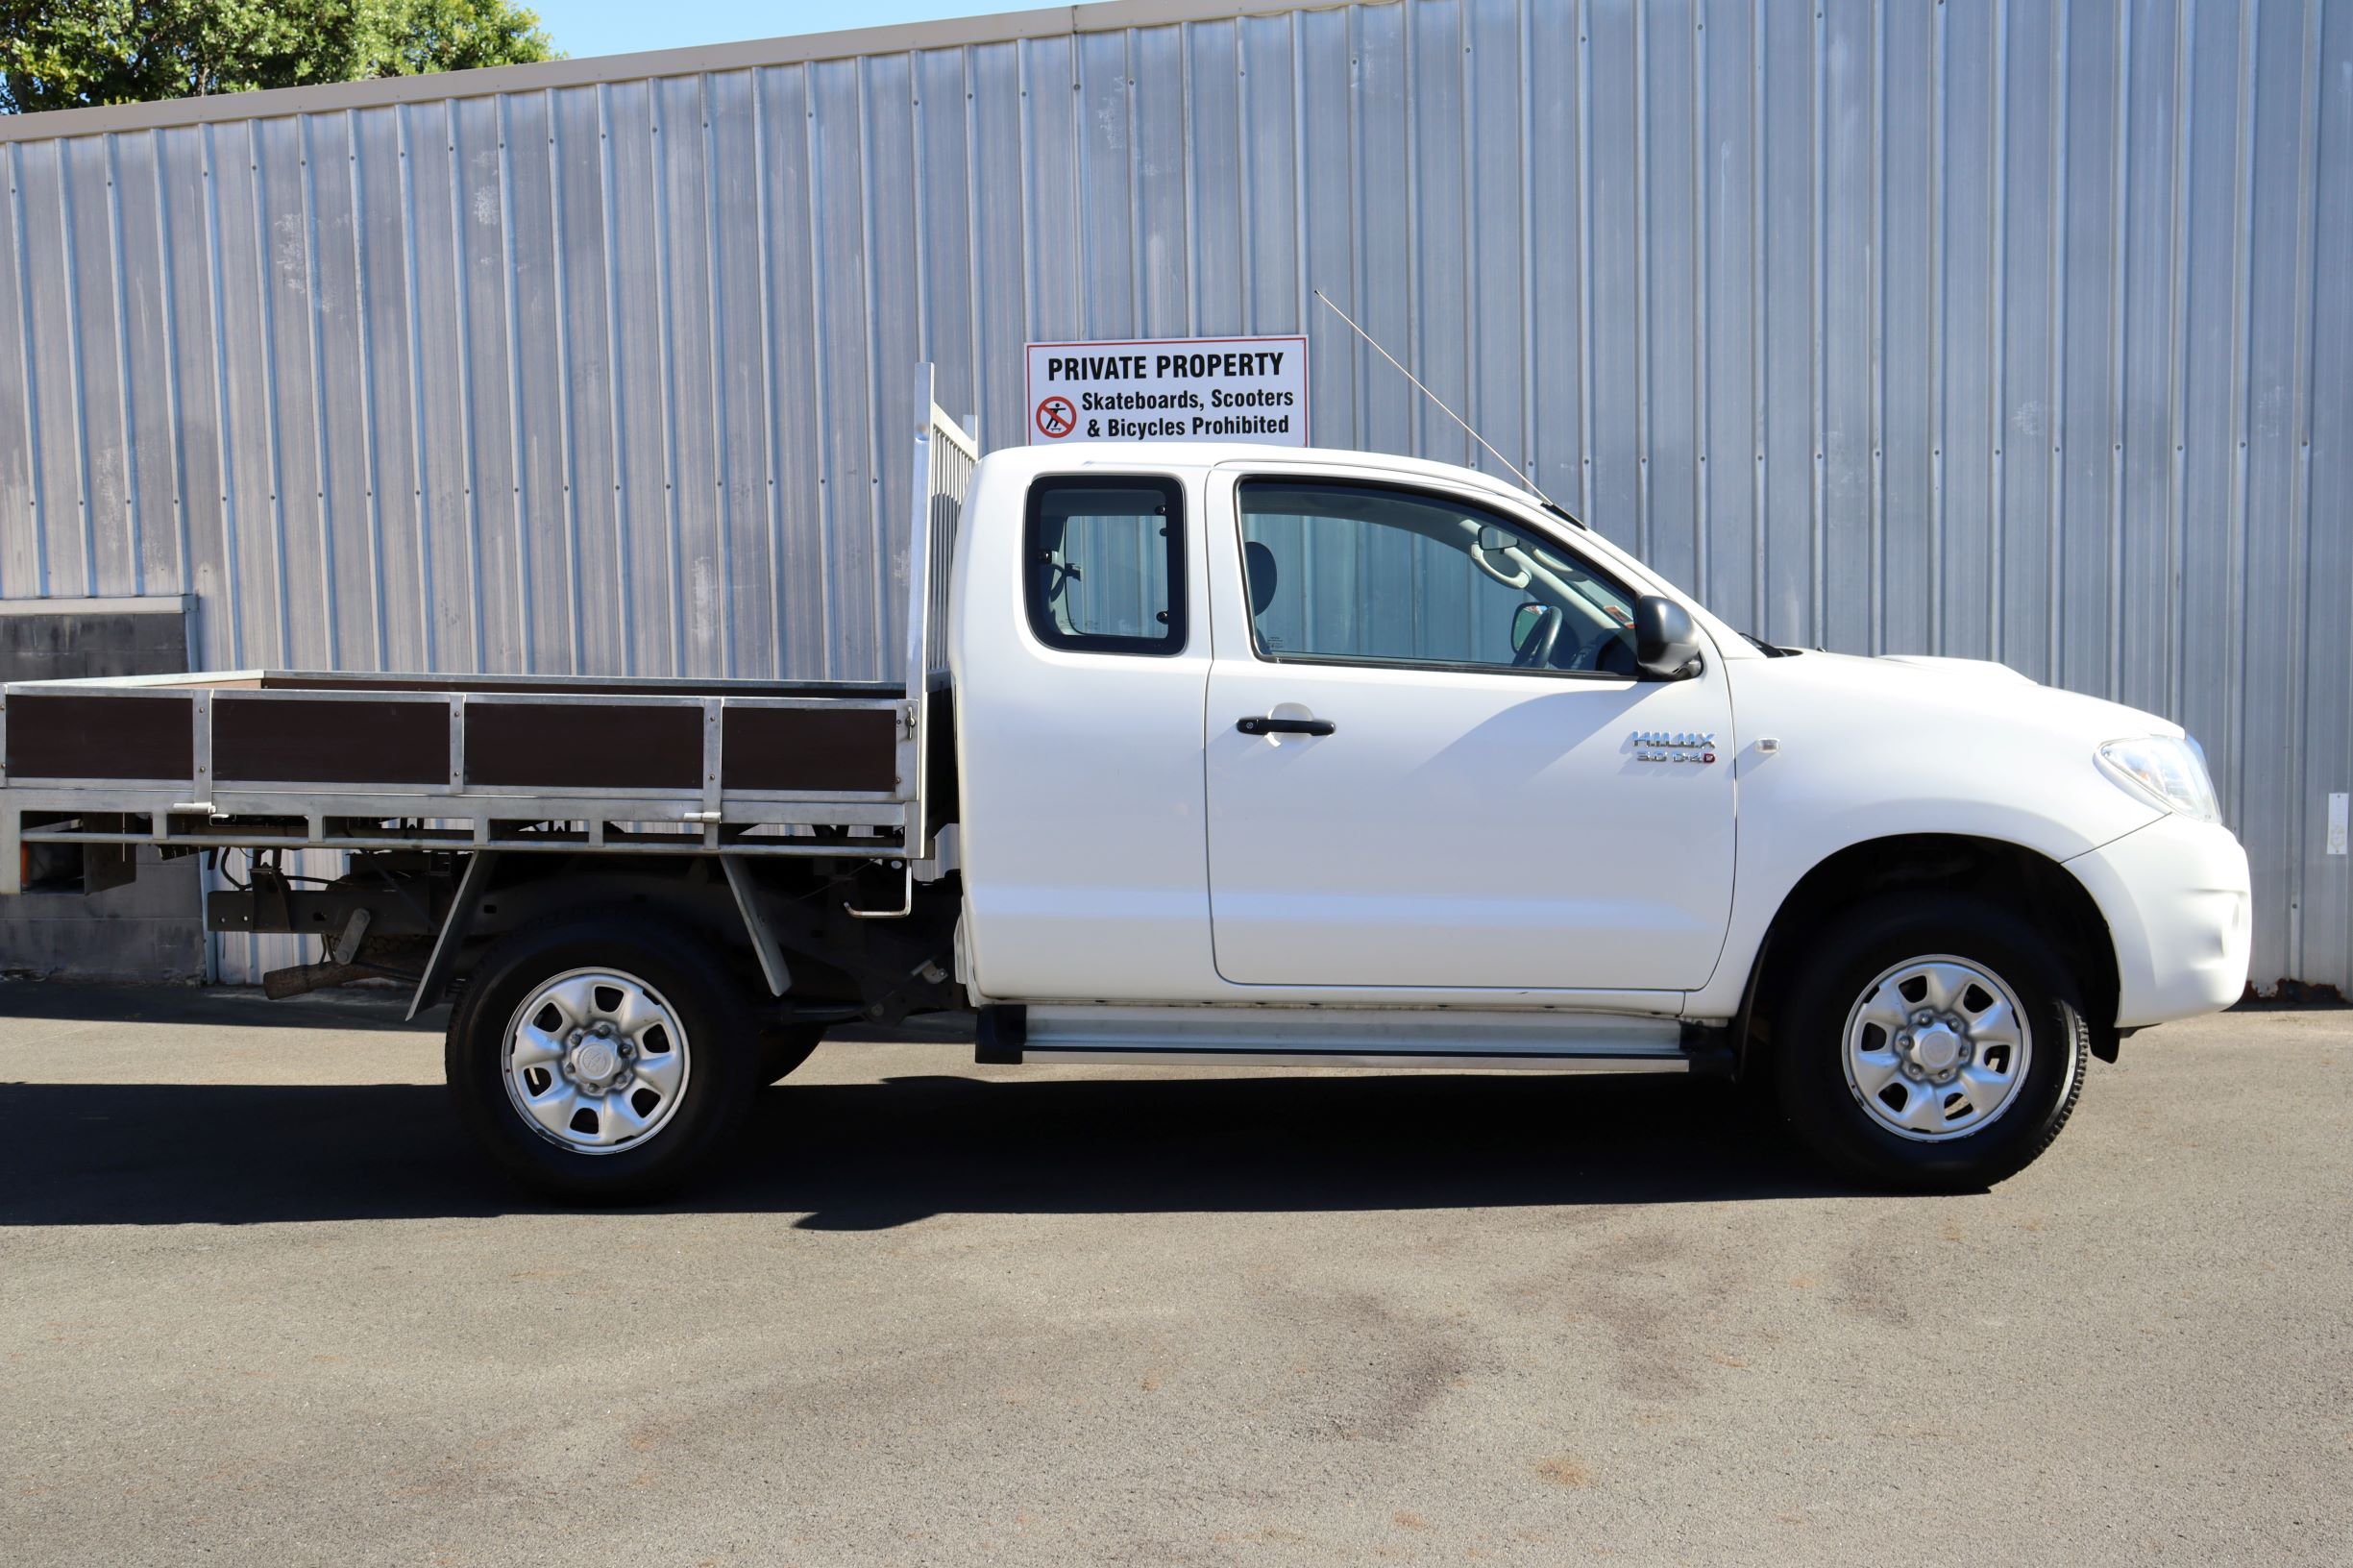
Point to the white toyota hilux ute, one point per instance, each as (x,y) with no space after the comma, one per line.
(1372,758)
(1206,755)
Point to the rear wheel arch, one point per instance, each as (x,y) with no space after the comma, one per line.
(679,892)
(2040,889)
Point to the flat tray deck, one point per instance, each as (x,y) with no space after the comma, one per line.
(400,733)
(305,759)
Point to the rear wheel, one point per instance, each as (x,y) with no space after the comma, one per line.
(601,1058)
(1930,1042)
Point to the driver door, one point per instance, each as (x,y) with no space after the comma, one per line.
(1398,796)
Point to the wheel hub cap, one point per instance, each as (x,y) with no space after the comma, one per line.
(1936,1048)
(596,1061)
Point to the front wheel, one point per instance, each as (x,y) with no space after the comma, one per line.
(1930,1044)
(601,1058)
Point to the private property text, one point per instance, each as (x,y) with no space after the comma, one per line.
(1192,389)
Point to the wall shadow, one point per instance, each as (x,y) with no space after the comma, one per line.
(870,1156)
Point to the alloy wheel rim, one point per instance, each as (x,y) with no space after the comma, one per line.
(1936,1048)
(595,1061)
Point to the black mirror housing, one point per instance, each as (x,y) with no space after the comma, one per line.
(1666,640)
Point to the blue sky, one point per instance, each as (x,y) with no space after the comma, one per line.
(621,27)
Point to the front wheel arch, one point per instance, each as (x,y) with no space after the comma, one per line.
(2040,889)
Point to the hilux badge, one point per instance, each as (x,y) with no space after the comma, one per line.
(1662,746)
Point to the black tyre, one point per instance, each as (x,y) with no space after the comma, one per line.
(785,1047)
(1930,1044)
(601,1057)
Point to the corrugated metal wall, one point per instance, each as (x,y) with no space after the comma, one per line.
(2015,328)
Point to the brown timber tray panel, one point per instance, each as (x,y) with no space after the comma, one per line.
(823,749)
(534,686)
(583,746)
(264,741)
(72,736)
(577,740)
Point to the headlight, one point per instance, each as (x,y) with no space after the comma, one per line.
(2166,772)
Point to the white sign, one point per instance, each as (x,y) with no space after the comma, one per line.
(2335,824)
(1171,389)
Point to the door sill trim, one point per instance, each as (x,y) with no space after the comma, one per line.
(1092,1055)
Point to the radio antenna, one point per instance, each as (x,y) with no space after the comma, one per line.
(1441,403)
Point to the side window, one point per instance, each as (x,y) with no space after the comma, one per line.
(1105,563)
(1361,573)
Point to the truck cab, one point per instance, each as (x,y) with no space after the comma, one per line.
(1276,727)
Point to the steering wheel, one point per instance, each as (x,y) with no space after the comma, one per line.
(1537,652)
(1613,655)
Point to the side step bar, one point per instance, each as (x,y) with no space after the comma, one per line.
(1521,1061)
(1302,1037)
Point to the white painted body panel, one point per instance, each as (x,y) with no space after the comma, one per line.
(2176,896)
(1079,783)
(1873,749)
(1465,831)
(1124,845)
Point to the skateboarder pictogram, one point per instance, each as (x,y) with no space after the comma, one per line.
(1056,417)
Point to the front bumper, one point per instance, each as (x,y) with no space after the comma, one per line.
(2176,896)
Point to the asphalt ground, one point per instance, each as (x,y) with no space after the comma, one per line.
(258,1304)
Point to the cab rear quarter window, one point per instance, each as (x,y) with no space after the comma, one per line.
(1103,564)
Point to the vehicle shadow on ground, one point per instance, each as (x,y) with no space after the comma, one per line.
(370,1009)
(875,1155)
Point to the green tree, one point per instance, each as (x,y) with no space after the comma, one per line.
(66,54)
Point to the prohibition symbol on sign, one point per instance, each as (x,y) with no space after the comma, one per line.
(1056,417)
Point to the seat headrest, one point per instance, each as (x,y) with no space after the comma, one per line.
(1258,567)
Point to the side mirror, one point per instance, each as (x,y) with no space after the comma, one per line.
(1666,640)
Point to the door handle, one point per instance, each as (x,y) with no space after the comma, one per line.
(1259,724)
